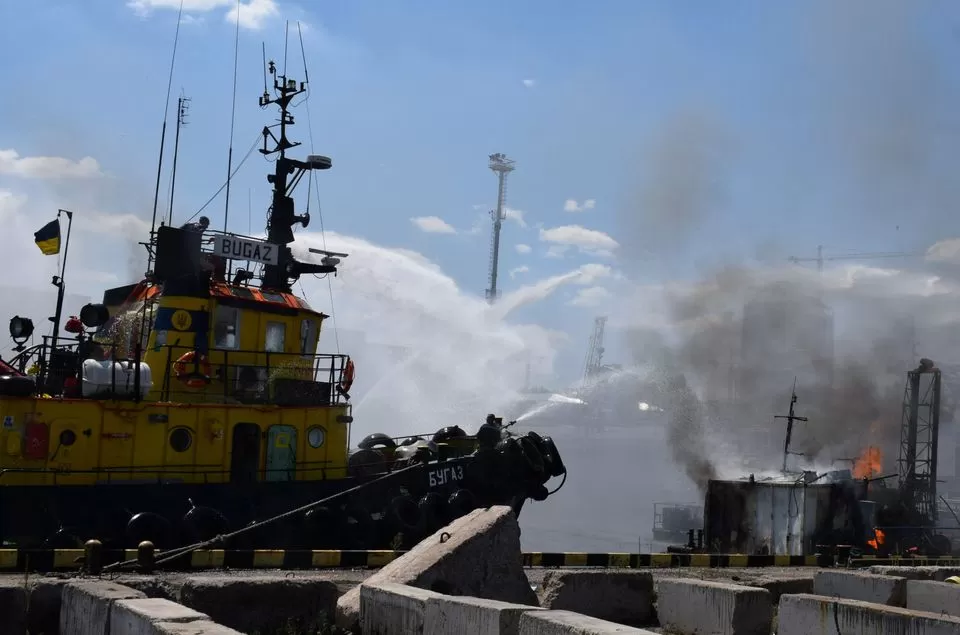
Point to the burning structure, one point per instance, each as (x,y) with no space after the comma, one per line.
(801,513)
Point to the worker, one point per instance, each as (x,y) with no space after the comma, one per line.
(200,226)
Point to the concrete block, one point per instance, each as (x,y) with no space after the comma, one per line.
(85,605)
(783,586)
(13,606)
(392,609)
(856,585)
(625,597)
(43,613)
(570,623)
(699,606)
(804,614)
(916,573)
(200,627)
(933,596)
(476,555)
(263,604)
(141,616)
(454,614)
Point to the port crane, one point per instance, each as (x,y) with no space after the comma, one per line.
(820,258)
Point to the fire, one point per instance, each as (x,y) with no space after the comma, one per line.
(878,539)
(868,465)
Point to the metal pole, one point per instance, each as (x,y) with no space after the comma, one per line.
(63,269)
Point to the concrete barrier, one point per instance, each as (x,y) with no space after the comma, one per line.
(263,604)
(389,608)
(625,597)
(916,573)
(85,605)
(155,616)
(700,606)
(454,614)
(804,614)
(13,607)
(476,555)
(43,612)
(856,585)
(933,596)
(570,623)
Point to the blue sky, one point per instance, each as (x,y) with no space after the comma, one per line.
(702,132)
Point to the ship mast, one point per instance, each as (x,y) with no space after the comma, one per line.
(287,174)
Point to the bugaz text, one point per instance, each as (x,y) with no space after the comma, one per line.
(444,475)
(245,249)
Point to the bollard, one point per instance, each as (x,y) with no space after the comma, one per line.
(93,557)
(145,556)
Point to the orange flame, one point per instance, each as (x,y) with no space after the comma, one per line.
(868,465)
(878,539)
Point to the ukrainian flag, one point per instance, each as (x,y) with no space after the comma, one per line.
(48,238)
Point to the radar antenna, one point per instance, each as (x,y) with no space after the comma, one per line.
(285,178)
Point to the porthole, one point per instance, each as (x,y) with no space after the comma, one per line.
(68,438)
(181,439)
(316,436)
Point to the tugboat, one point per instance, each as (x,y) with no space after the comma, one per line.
(194,403)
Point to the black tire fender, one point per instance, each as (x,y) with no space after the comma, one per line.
(531,454)
(461,503)
(557,468)
(371,441)
(148,526)
(405,512)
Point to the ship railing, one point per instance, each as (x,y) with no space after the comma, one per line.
(236,376)
(255,377)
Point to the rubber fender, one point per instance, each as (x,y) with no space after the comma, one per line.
(461,503)
(17,385)
(531,454)
(540,493)
(148,526)
(405,512)
(411,441)
(542,449)
(366,462)
(447,433)
(557,468)
(377,438)
(203,523)
(358,526)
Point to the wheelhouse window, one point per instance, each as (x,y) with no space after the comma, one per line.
(275,338)
(308,337)
(226,327)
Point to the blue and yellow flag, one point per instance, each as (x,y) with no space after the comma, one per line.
(48,238)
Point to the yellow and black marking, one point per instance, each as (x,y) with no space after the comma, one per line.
(937,561)
(44,560)
(664,560)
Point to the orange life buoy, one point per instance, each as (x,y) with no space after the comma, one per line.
(348,372)
(186,367)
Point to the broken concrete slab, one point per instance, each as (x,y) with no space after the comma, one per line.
(933,596)
(857,585)
(263,604)
(43,612)
(698,606)
(477,616)
(85,605)
(570,623)
(476,555)
(805,614)
(389,608)
(625,597)
(141,616)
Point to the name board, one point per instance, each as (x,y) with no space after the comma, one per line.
(245,249)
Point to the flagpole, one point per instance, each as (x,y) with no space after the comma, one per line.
(58,281)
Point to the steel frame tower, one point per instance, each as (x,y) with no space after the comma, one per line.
(595,353)
(918,441)
(502,166)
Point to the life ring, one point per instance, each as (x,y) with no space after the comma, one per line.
(188,375)
(348,372)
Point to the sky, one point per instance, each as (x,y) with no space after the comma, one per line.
(654,142)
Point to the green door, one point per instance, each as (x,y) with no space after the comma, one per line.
(281,452)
